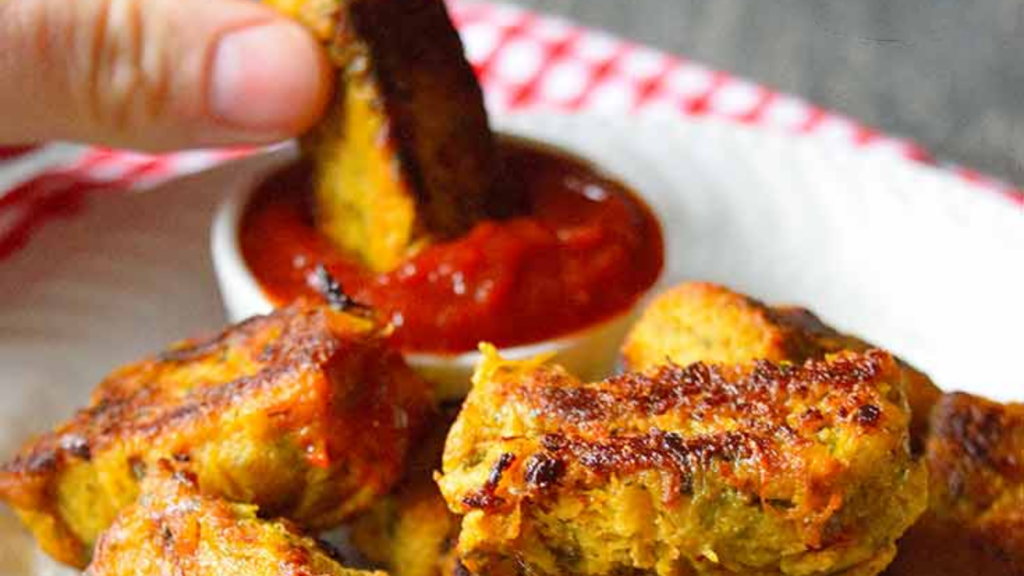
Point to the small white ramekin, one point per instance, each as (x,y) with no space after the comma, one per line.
(589,353)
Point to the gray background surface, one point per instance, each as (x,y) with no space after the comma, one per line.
(946,73)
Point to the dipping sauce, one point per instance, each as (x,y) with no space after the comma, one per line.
(585,251)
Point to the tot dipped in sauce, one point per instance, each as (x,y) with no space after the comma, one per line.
(418,210)
(585,249)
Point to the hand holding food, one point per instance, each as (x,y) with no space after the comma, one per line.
(741,440)
(420,212)
(156,74)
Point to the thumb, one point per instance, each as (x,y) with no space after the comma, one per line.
(156,74)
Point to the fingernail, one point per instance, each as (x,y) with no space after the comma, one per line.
(267,80)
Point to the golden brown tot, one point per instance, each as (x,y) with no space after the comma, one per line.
(975,519)
(756,468)
(173,529)
(411,532)
(306,413)
(405,155)
(703,322)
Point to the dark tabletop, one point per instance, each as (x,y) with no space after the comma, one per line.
(946,73)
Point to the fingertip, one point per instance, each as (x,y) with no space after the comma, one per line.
(268,81)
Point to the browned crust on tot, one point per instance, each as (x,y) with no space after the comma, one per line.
(702,321)
(308,412)
(975,519)
(174,529)
(649,471)
(411,532)
(405,155)
(617,426)
(976,460)
(435,109)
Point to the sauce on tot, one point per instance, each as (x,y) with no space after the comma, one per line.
(586,250)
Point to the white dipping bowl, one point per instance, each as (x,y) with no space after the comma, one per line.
(589,353)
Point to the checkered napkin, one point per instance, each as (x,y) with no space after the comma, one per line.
(525,62)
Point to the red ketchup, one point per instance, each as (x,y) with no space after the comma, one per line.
(585,251)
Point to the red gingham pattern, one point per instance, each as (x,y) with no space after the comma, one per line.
(524,61)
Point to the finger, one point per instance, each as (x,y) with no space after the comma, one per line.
(156,74)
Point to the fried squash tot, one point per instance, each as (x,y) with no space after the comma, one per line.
(405,155)
(976,460)
(703,322)
(412,532)
(753,469)
(173,529)
(975,519)
(306,413)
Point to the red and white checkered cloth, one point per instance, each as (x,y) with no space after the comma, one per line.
(524,61)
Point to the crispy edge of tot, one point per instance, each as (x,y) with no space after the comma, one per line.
(976,455)
(975,519)
(405,155)
(173,529)
(706,322)
(411,532)
(264,412)
(534,443)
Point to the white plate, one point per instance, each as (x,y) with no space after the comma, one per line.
(902,254)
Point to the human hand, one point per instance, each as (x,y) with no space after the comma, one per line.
(156,74)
